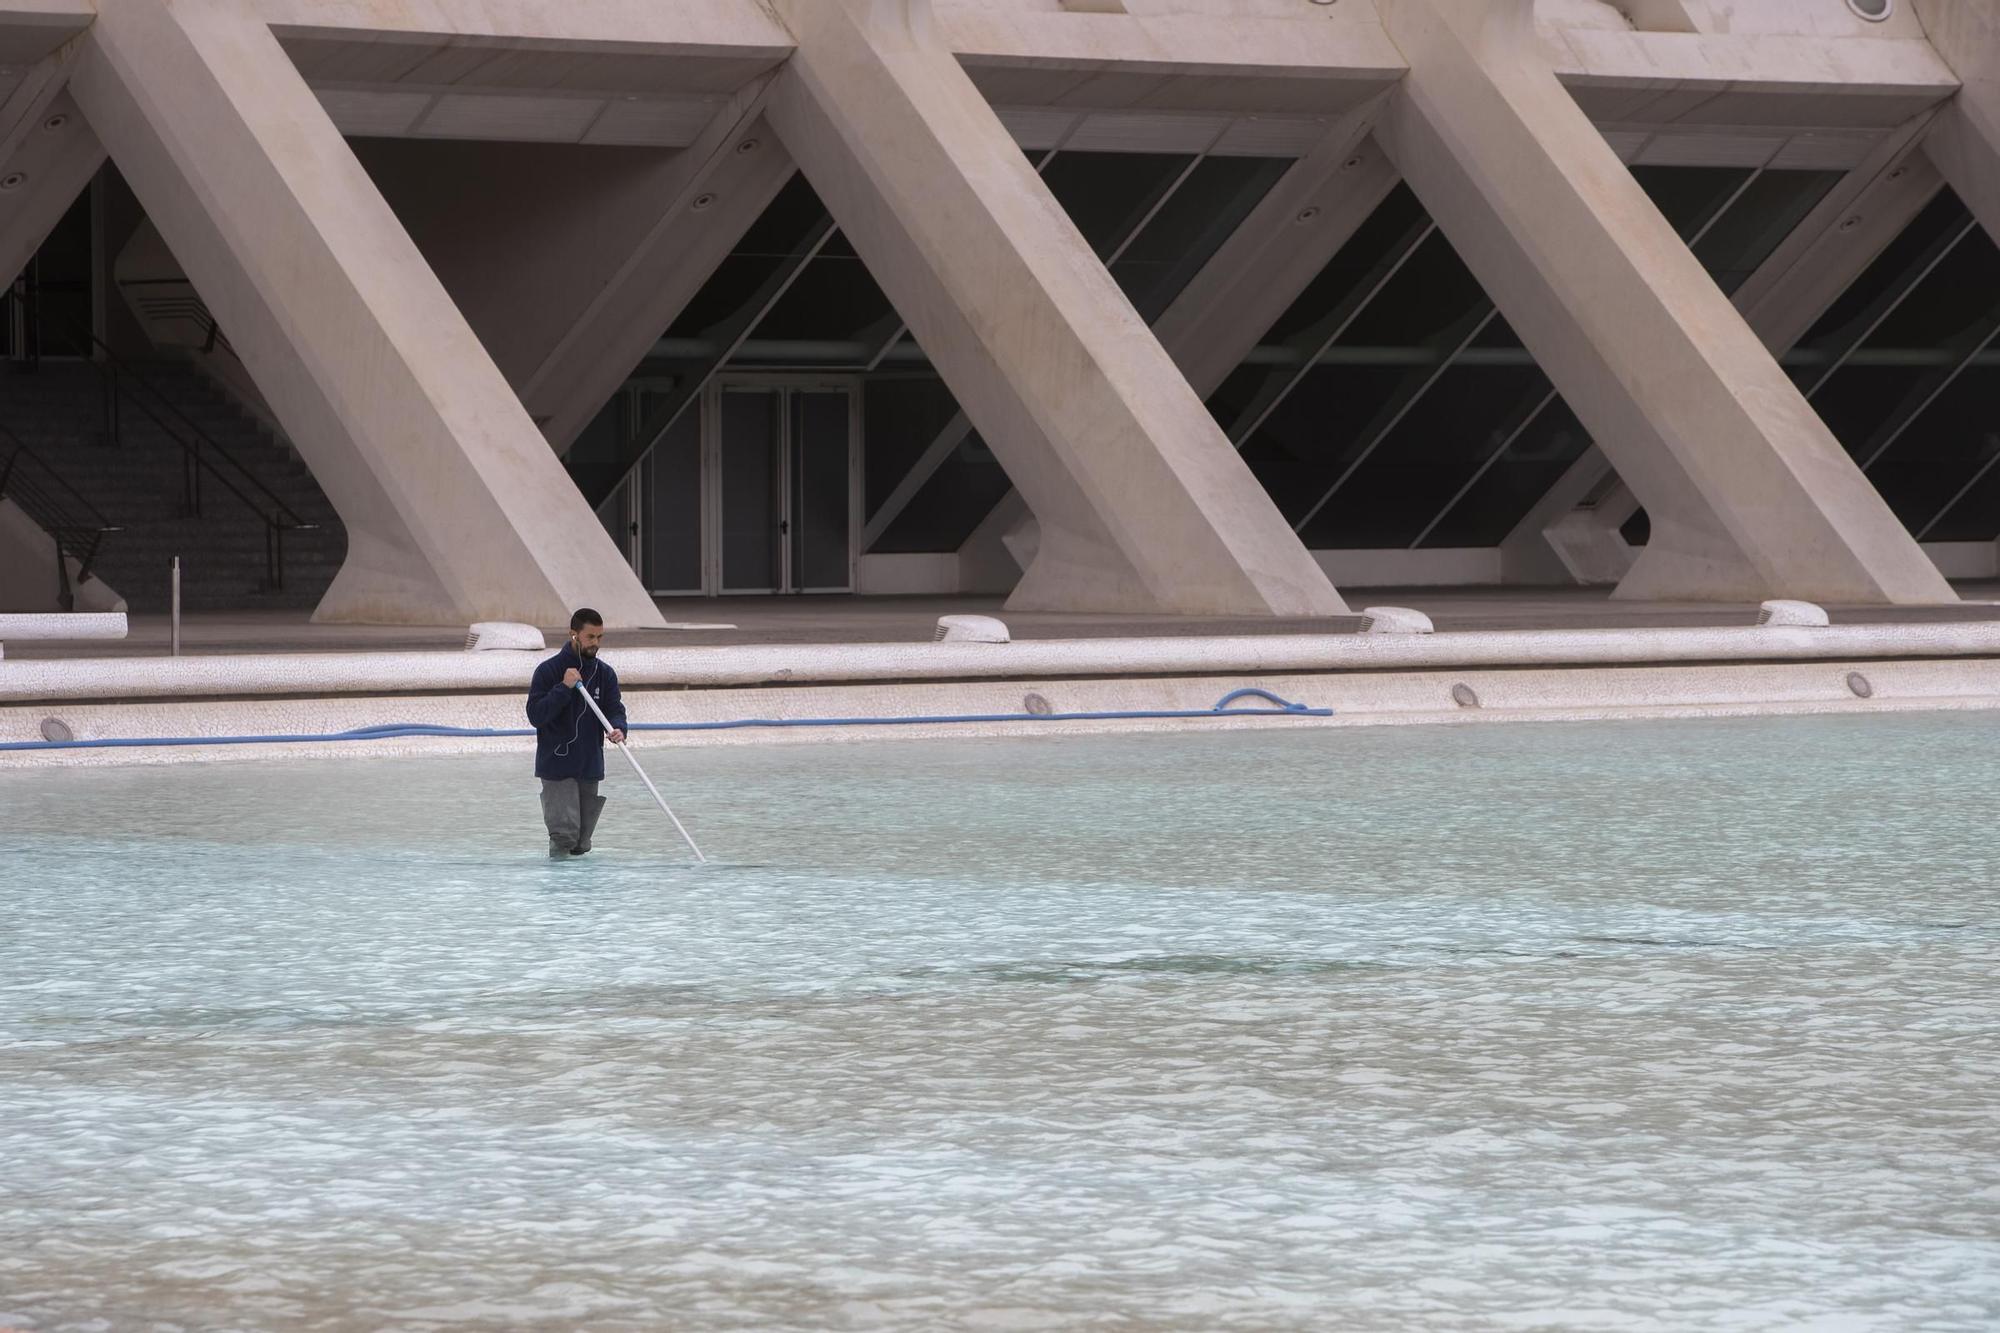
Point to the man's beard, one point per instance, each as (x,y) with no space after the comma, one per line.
(582,651)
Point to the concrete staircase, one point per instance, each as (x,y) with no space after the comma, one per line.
(57,410)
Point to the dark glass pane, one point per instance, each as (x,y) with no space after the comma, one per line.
(750,501)
(1942,449)
(1191,227)
(1892,271)
(820,509)
(1433,451)
(1308,441)
(900,418)
(1858,402)
(784,230)
(1107,195)
(671,513)
(1689,196)
(1975,515)
(829,304)
(1959,293)
(951,504)
(1383,235)
(59,309)
(1426,296)
(1532,465)
(1758,221)
(1637,529)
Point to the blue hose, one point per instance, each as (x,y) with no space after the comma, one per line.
(396,731)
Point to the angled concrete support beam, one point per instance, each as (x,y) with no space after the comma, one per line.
(1965,140)
(569,262)
(1834,244)
(1143,504)
(700,205)
(1749,494)
(47,156)
(1313,210)
(1217,319)
(454,505)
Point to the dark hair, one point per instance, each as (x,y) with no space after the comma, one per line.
(583,617)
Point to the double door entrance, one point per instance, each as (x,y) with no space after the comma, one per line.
(756,492)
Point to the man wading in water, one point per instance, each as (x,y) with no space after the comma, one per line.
(569,741)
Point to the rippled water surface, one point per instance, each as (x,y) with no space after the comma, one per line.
(1646,1026)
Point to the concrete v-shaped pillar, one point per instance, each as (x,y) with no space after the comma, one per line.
(1143,505)
(1749,494)
(455,507)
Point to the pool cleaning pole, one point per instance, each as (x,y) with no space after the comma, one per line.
(631,759)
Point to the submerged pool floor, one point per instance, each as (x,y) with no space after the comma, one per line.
(1615,1026)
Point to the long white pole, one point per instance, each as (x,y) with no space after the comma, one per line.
(631,759)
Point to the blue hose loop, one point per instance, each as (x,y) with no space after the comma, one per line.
(1224,707)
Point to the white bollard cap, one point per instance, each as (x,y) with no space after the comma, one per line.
(1394,620)
(488,635)
(1789,613)
(971,629)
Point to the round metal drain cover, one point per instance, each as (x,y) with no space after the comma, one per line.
(55,729)
(1860,684)
(1037,705)
(1464,696)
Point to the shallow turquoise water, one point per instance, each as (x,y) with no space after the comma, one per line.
(1646,1026)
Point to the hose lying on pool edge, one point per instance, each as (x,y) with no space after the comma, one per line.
(396,731)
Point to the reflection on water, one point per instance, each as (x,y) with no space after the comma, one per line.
(1614,1026)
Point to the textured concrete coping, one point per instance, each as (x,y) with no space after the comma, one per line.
(707,668)
(62,625)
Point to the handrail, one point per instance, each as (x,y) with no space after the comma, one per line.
(75,538)
(119,376)
(202,437)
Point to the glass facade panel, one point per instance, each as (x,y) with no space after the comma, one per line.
(951,504)
(900,418)
(1502,496)
(1107,195)
(670,516)
(1431,453)
(820,511)
(1916,399)
(1190,227)
(750,429)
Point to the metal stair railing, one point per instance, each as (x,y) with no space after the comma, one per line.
(200,454)
(58,508)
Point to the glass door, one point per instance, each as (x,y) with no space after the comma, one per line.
(750,490)
(753,490)
(819,521)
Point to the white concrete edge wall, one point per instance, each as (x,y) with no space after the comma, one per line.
(914,574)
(319,674)
(1364,699)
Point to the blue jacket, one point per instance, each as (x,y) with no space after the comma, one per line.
(569,742)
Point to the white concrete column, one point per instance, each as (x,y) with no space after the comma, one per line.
(46,161)
(455,507)
(1749,494)
(1143,504)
